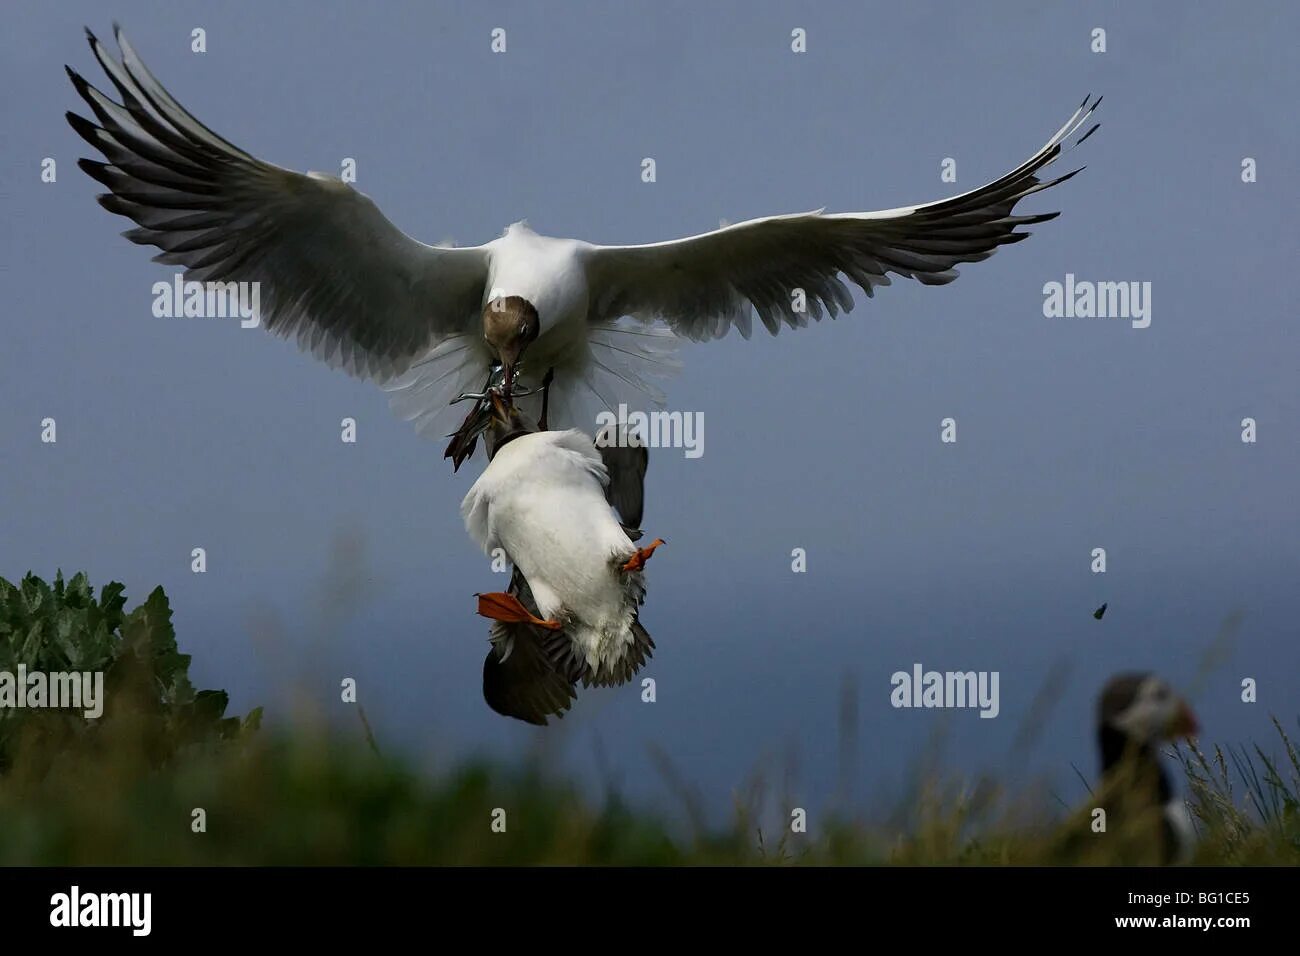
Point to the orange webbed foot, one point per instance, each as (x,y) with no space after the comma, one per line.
(642,555)
(500,606)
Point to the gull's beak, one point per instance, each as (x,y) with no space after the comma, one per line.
(1184,723)
(510,355)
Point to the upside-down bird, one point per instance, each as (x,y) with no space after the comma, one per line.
(572,611)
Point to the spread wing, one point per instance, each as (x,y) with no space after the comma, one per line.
(333,272)
(703,285)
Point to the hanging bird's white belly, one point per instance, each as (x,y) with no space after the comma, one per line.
(545,506)
(567,549)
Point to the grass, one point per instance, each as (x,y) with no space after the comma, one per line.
(318,798)
(1246,804)
(166,778)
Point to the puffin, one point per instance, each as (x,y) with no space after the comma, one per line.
(1136,713)
(571,614)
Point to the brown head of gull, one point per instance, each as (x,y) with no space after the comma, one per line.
(510,325)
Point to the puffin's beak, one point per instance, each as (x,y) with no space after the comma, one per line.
(465,439)
(500,410)
(1184,724)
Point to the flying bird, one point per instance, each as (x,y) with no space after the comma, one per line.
(431,322)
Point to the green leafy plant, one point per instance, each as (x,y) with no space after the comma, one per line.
(147,692)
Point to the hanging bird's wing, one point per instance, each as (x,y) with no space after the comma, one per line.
(331,270)
(519,678)
(524,685)
(567,660)
(626,463)
(642,648)
(702,286)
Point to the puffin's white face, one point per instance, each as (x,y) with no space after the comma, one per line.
(1156,713)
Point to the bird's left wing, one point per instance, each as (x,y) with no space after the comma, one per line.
(703,285)
(626,464)
(520,679)
(332,271)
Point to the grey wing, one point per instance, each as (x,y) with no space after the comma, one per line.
(524,685)
(626,489)
(567,665)
(332,271)
(703,285)
(642,649)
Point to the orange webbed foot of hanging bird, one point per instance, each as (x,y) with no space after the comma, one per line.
(642,555)
(500,606)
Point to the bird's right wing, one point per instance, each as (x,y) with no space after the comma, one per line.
(332,271)
(703,285)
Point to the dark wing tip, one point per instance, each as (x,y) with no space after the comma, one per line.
(96,171)
(1039,217)
(82,126)
(1060,179)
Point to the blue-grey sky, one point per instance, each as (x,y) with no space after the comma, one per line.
(1072,433)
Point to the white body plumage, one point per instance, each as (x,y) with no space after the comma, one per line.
(542,500)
